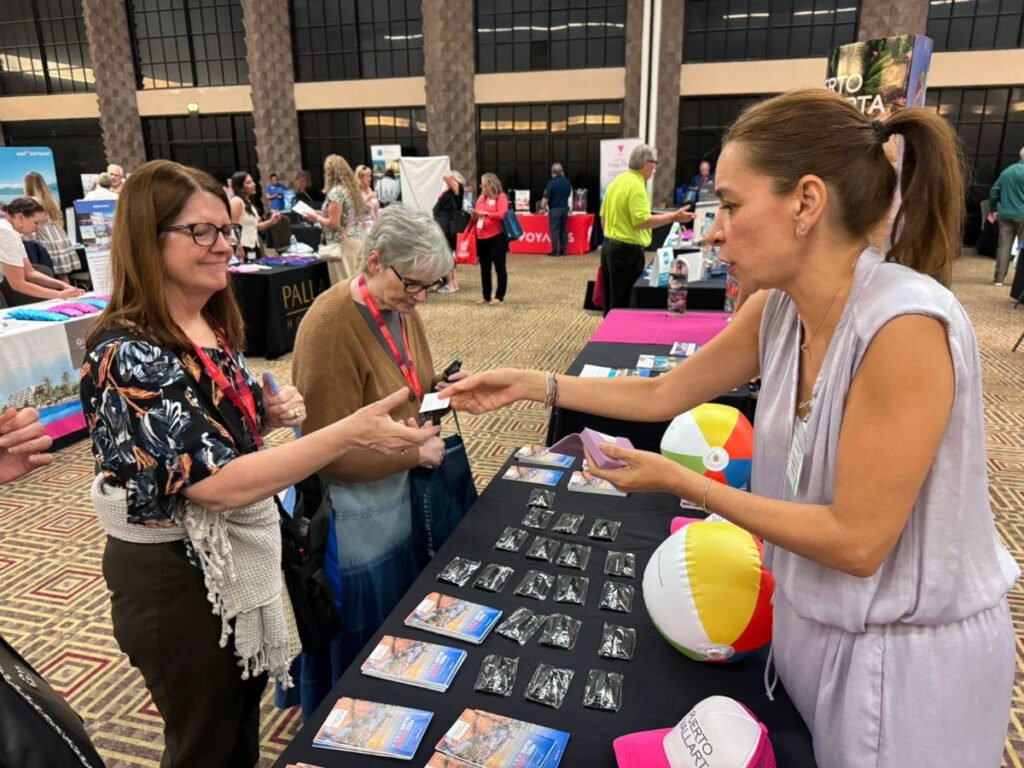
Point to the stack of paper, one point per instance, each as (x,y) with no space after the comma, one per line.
(414,662)
(486,740)
(452,617)
(372,728)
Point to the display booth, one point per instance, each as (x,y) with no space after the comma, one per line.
(537,234)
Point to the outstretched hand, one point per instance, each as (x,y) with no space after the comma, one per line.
(377,431)
(485,392)
(644,470)
(22,444)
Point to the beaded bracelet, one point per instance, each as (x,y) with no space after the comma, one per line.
(552,390)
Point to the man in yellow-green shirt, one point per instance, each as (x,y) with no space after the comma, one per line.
(627,222)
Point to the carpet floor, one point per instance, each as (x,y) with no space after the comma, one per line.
(53,602)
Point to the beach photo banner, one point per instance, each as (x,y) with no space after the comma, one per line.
(15,162)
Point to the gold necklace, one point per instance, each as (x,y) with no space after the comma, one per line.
(806,345)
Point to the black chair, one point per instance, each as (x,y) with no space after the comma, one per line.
(279,236)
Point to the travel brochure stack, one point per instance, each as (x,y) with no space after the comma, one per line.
(453,617)
(486,740)
(414,662)
(372,728)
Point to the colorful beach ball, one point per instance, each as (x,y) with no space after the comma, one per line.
(714,440)
(707,591)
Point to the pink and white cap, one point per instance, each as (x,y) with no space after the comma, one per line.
(718,732)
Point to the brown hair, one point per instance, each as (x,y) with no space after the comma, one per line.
(37,189)
(152,198)
(817,132)
(338,173)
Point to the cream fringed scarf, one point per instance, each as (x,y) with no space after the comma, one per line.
(240,554)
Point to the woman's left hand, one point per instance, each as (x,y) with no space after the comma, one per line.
(457,376)
(644,471)
(312,218)
(285,409)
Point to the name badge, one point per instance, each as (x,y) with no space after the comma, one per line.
(795,460)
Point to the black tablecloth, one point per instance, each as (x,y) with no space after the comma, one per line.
(273,302)
(659,687)
(308,234)
(1017,288)
(701,294)
(644,435)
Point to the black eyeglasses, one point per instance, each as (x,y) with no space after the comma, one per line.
(411,286)
(653,161)
(206,234)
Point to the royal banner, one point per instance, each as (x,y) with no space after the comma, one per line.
(537,235)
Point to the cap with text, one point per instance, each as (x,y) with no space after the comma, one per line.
(717,733)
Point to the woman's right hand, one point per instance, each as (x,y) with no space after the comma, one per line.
(372,428)
(484,392)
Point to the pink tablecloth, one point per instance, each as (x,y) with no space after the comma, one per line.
(631,326)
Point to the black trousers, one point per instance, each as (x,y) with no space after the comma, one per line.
(558,227)
(493,251)
(162,621)
(622,263)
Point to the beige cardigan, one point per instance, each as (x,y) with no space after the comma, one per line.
(339,366)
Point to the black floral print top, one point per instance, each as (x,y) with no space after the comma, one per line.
(149,417)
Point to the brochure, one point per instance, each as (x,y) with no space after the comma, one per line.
(487,740)
(584,482)
(414,662)
(540,454)
(439,760)
(684,349)
(533,475)
(452,617)
(372,728)
(657,363)
(600,372)
(302,209)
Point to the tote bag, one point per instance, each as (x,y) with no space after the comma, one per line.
(465,245)
(440,498)
(511,227)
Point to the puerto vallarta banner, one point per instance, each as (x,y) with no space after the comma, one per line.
(15,162)
(614,160)
(881,76)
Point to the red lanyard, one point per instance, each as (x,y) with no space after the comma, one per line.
(408,371)
(238,393)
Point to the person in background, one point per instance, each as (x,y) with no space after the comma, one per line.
(275,193)
(389,188)
(556,201)
(892,631)
(341,237)
(177,418)
(301,186)
(50,234)
(1006,203)
(627,222)
(451,218)
(491,243)
(690,194)
(22,216)
(116,174)
(244,214)
(364,178)
(362,337)
(102,190)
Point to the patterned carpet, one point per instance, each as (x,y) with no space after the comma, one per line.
(53,604)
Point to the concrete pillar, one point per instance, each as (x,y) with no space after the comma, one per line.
(634,66)
(113,62)
(670,59)
(449,29)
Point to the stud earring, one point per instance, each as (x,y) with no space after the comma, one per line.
(801,230)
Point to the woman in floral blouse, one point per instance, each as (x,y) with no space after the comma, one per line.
(165,389)
(341,239)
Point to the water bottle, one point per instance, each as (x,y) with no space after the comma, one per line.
(678,276)
(732,292)
(291,245)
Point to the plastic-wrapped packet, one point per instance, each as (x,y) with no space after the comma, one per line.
(520,626)
(493,577)
(603,529)
(620,564)
(541,497)
(459,571)
(571,589)
(535,584)
(543,548)
(574,556)
(568,523)
(617,642)
(603,691)
(560,631)
(549,685)
(538,518)
(512,539)
(616,597)
(497,675)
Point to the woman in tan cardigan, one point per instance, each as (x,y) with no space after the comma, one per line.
(360,338)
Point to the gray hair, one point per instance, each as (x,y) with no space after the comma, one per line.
(557,169)
(641,155)
(409,241)
(494,181)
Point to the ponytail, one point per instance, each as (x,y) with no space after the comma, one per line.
(928,227)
